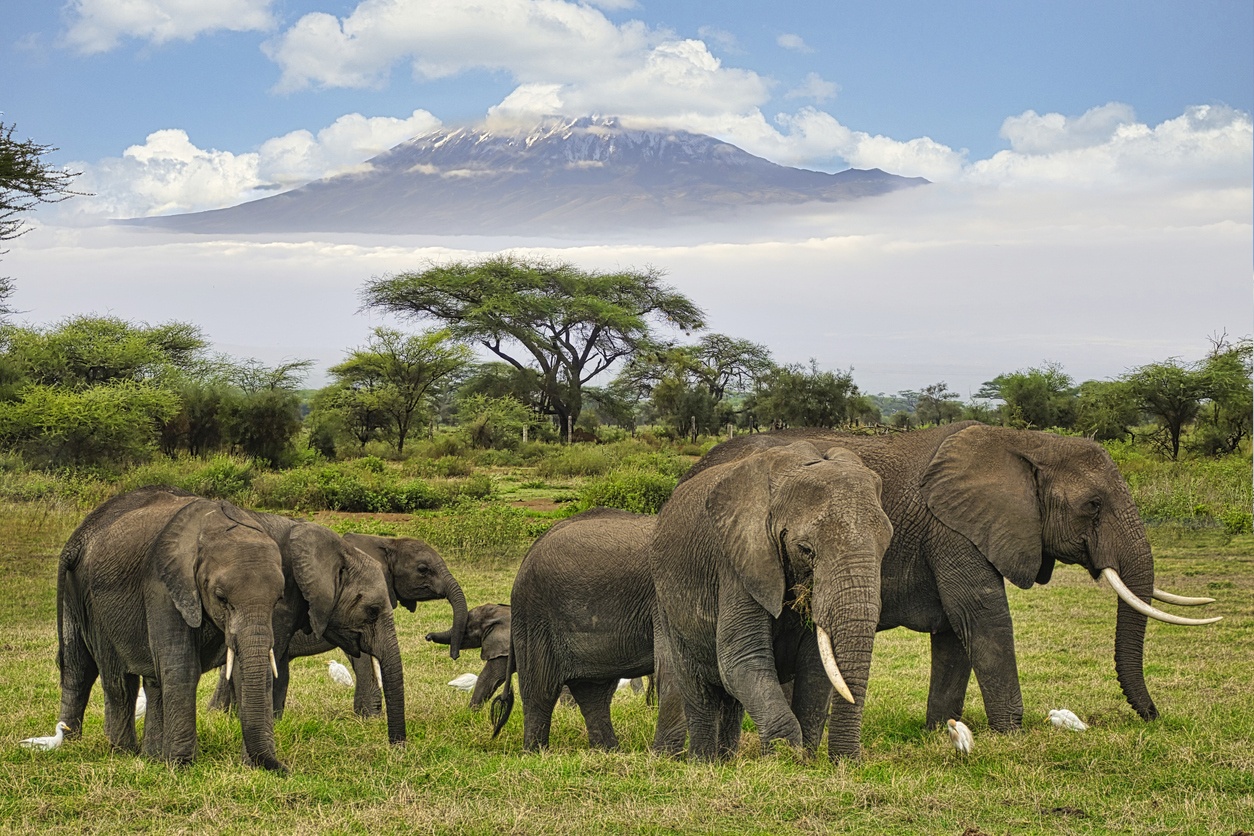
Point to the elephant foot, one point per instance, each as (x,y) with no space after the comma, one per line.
(368,711)
(785,750)
(267,762)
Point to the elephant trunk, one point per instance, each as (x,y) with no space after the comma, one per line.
(385,648)
(458,599)
(252,645)
(846,607)
(1135,568)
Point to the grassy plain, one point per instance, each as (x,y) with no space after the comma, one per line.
(1192,771)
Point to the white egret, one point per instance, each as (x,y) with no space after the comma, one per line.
(141,703)
(47,743)
(339,673)
(465,682)
(960,736)
(1064,719)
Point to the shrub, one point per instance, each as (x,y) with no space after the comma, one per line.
(632,489)
(575,460)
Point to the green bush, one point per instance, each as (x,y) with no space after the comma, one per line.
(575,460)
(632,489)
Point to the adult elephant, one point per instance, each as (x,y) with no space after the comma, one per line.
(413,572)
(160,584)
(487,627)
(972,505)
(582,611)
(766,566)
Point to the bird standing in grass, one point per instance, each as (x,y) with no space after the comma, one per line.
(339,673)
(141,703)
(960,736)
(465,682)
(47,743)
(1064,719)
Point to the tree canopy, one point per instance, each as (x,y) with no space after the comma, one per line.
(564,323)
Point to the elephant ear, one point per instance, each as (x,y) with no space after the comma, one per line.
(318,571)
(739,505)
(496,635)
(174,555)
(982,488)
(384,551)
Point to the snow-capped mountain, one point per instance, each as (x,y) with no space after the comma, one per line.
(572,175)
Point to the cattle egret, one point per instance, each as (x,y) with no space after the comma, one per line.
(141,703)
(339,673)
(47,743)
(960,735)
(465,682)
(1064,719)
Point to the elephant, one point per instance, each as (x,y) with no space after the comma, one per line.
(767,567)
(487,627)
(581,616)
(973,506)
(160,584)
(413,572)
(350,606)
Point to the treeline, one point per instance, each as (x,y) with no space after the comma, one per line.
(101,392)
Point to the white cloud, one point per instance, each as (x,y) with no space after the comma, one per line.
(98,25)
(169,173)
(721,38)
(1107,146)
(793,42)
(814,87)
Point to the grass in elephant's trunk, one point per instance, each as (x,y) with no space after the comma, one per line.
(800,600)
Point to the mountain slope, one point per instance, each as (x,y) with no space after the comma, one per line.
(565,176)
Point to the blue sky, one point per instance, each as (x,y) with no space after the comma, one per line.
(1094,147)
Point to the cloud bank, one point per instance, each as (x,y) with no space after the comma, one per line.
(100,25)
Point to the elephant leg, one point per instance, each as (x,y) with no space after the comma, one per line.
(951,671)
(594,702)
(78,673)
(672,729)
(223,694)
(120,690)
(731,716)
(746,665)
(975,603)
(367,698)
(539,697)
(154,719)
(178,668)
(810,693)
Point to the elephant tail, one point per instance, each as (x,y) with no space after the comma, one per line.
(503,703)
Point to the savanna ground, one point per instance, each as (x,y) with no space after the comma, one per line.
(1192,771)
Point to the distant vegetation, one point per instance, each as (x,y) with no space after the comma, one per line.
(412,422)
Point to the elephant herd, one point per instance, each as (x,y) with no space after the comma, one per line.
(758,588)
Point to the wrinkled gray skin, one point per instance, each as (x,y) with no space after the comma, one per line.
(413,572)
(972,505)
(488,628)
(582,616)
(349,605)
(157,584)
(734,547)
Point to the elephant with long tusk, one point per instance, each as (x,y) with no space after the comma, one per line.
(768,567)
(973,506)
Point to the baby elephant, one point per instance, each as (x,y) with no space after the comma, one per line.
(487,627)
(582,608)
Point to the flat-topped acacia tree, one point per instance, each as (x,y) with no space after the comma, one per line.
(565,323)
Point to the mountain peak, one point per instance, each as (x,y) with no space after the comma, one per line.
(558,175)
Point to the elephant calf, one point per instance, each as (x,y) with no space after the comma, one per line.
(488,628)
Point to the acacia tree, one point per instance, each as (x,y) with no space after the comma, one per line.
(26,180)
(400,371)
(1171,392)
(565,323)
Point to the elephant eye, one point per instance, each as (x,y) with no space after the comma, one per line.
(805,549)
(1093,506)
(372,613)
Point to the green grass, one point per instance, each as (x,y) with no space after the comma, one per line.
(1192,771)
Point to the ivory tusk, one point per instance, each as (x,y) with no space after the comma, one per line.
(1180,600)
(230,662)
(829,665)
(378,672)
(274,666)
(1121,589)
